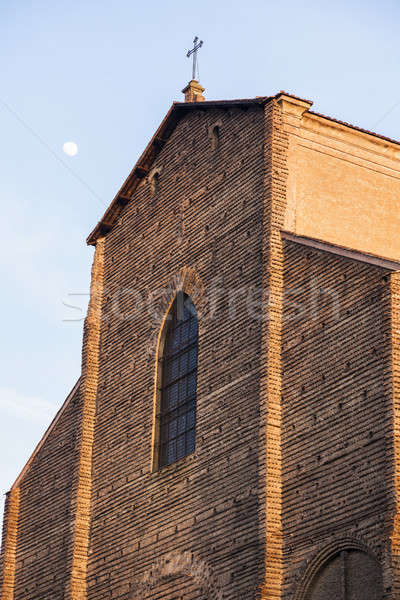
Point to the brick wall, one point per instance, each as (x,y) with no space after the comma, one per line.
(336,406)
(44,525)
(296,412)
(203,512)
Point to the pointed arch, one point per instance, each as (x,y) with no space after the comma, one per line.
(347,568)
(176,383)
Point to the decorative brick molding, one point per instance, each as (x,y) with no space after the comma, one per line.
(395,339)
(271,385)
(176,564)
(186,280)
(323,556)
(89,385)
(10,544)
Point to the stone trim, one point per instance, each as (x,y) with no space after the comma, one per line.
(370,259)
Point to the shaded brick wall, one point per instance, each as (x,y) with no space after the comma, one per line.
(336,405)
(203,512)
(3,538)
(44,528)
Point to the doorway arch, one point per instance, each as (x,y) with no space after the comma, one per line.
(346,570)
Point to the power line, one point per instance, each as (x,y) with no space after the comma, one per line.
(50,149)
(387,113)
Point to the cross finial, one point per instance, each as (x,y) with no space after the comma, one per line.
(196,46)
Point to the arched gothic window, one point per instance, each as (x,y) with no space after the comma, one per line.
(178,362)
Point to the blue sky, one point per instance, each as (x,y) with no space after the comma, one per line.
(103,74)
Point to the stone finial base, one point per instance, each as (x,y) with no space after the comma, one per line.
(193,92)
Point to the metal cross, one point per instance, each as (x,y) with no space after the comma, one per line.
(196,46)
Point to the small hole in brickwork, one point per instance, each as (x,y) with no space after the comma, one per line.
(303,389)
(365,393)
(215,137)
(371,434)
(340,405)
(155,184)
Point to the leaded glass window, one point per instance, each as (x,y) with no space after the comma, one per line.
(179,382)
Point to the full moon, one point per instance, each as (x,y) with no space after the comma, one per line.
(70,148)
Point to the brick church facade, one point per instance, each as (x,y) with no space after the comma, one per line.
(249,265)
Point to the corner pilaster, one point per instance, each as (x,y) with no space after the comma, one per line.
(275,177)
(394,462)
(10,544)
(81,509)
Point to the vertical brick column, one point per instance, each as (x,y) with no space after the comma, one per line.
(275,201)
(90,373)
(10,544)
(395,333)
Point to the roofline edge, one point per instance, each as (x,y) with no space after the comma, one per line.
(44,437)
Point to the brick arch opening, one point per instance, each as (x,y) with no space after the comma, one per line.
(342,571)
(178,576)
(179,587)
